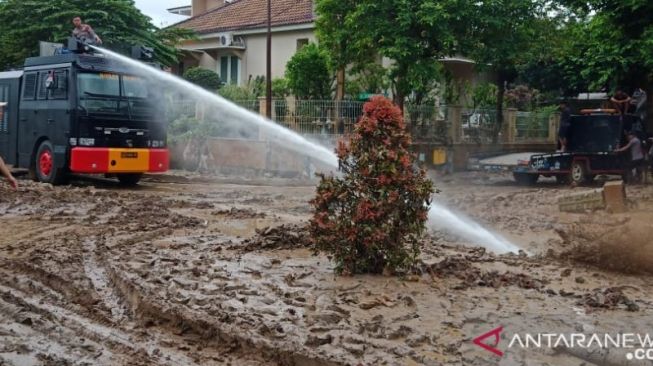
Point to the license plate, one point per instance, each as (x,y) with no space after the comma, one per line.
(129,155)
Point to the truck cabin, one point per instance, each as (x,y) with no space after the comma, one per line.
(69,112)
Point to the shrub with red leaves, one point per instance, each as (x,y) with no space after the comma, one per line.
(370,218)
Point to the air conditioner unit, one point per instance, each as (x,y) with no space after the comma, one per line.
(226,39)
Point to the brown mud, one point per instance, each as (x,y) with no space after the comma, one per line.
(202,271)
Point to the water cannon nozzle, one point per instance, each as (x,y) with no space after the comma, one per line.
(142,53)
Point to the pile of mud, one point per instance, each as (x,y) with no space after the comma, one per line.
(609,298)
(280,237)
(626,247)
(463,269)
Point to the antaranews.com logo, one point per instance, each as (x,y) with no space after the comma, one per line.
(639,346)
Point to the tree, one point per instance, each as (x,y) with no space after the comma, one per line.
(413,34)
(334,31)
(307,73)
(500,38)
(370,218)
(24,23)
(616,44)
(207,79)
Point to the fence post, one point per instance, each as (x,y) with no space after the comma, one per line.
(454,116)
(200,111)
(262,103)
(554,125)
(510,125)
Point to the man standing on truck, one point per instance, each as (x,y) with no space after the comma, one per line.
(636,157)
(621,102)
(85,32)
(565,124)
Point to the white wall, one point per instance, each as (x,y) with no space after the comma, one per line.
(284,46)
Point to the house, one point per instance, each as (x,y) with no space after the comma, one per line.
(233,35)
(232,39)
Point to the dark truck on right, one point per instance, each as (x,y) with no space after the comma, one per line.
(591,141)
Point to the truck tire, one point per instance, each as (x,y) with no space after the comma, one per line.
(525,178)
(578,174)
(45,165)
(129,179)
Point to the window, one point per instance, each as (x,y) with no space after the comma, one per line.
(61,89)
(43,90)
(230,69)
(114,93)
(301,42)
(29,90)
(4,105)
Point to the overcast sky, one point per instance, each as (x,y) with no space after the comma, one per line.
(156,9)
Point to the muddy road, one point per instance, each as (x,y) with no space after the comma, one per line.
(208,271)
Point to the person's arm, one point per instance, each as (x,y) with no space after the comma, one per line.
(7,174)
(625,148)
(97,38)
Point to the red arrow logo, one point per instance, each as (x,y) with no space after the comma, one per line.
(492,348)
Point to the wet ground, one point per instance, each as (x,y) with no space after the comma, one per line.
(188,270)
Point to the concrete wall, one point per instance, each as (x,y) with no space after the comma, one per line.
(284,46)
(252,60)
(223,154)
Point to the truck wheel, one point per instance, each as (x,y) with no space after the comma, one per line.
(129,180)
(525,178)
(578,173)
(46,170)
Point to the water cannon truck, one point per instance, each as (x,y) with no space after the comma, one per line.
(80,112)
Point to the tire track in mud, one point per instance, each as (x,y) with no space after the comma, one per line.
(212,330)
(116,340)
(97,274)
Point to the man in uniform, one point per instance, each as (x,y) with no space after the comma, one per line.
(85,32)
(565,126)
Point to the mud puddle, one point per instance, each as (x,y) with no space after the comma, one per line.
(199,273)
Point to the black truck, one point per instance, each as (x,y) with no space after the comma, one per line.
(81,112)
(593,137)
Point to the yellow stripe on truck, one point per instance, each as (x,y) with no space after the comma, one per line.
(129,160)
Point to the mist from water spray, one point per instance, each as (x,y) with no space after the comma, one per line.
(440,217)
(228,110)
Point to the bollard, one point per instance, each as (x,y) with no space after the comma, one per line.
(614,195)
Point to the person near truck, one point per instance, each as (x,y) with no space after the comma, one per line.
(565,125)
(85,32)
(4,171)
(636,161)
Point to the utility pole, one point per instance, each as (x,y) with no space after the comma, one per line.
(268,78)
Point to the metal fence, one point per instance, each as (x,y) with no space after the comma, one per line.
(479,125)
(328,120)
(532,126)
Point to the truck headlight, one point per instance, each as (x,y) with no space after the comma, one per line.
(85,141)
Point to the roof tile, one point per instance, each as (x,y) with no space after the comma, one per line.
(248,14)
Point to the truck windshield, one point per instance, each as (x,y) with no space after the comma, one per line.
(109,93)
